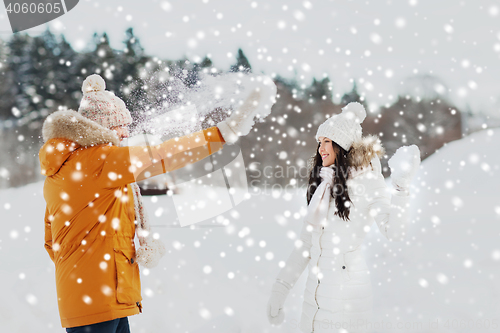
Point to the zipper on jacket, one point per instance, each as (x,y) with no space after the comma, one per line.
(317,265)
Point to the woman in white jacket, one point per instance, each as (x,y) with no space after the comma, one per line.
(346,193)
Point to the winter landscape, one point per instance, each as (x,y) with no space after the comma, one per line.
(217,275)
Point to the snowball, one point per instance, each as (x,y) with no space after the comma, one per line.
(400,22)
(76,176)
(106,290)
(457,202)
(493,10)
(299,16)
(205,314)
(31,299)
(443,279)
(115,223)
(159,212)
(423,283)
(166,6)
(244,232)
(375,38)
(148,292)
(228,311)
(4,173)
(16,112)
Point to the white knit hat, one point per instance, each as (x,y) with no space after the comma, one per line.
(344,128)
(102,106)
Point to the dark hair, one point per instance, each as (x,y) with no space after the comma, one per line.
(339,190)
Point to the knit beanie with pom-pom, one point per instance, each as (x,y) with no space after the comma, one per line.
(102,106)
(344,128)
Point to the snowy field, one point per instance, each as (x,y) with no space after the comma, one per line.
(217,276)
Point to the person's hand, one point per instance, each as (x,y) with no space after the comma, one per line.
(404,164)
(258,103)
(275,312)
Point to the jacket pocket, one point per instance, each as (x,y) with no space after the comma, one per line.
(355,264)
(128,283)
(345,268)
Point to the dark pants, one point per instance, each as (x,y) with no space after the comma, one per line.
(119,325)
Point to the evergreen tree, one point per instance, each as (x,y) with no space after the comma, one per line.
(193,76)
(102,60)
(68,76)
(6,83)
(54,72)
(19,66)
(320,90)
(351,96)
(290,84)
(206,62)
(131,59)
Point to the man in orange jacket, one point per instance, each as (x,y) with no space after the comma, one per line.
(90,214)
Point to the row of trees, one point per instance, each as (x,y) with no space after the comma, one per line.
(40,74)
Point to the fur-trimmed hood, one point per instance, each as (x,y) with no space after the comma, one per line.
(71,125)
(64,132)
(362,152)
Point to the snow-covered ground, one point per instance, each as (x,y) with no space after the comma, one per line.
(217,276)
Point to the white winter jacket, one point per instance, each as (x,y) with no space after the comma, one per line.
(338,290)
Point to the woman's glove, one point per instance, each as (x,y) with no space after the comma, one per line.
(275,312)
(258,103)
(404,164)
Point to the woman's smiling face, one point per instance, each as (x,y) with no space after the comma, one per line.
(326,151)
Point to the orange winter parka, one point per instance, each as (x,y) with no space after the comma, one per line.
(89,217)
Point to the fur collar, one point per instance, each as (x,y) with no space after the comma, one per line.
(362,152)
(71,125)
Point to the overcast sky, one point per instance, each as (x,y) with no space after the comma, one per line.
(378,43)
